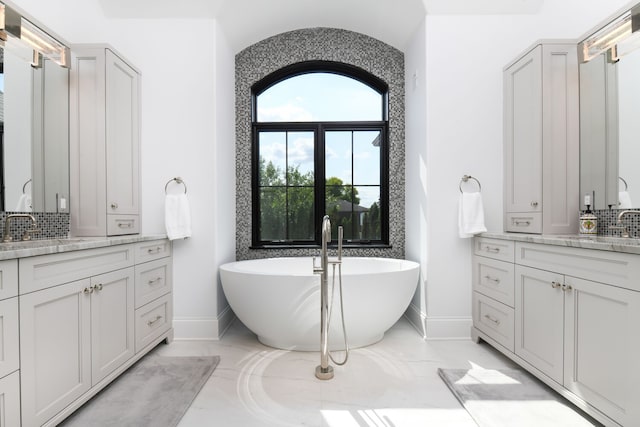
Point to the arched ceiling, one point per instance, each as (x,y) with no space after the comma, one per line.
(247,21)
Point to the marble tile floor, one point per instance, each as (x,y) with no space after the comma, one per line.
(393,383)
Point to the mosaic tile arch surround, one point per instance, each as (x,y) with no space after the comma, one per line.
(323,44)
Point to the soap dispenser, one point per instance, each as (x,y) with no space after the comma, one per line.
(588,221)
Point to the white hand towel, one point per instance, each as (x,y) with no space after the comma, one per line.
(24,203)
(177,216)
(470,215)
(624,200)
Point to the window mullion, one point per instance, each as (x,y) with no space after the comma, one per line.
(286,187)
(320,181)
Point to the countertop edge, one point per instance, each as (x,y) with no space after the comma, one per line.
(17,250)
(603,243)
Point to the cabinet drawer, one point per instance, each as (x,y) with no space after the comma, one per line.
(153,279)
(118,225)
(494,319)
(494,279)
(8,278)
(44,271)
(494,248)
(152,320)
(10,398)
(9,342)
(615,268)
(156,249)
(528,222)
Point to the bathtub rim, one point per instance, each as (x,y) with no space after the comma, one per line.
(232,266)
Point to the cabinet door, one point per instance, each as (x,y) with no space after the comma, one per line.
(55,350)
(87,144)
(122,133)
(561,145)
(603,348)
(10,400)
(112,321)
(9,340)
(539,313)
(523,134)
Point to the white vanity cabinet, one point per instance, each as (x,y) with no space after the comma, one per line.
(104,143)
(493,290)
(9,345)
(541,140)
(576,313)
(78,325)
(154,309)
(73,334)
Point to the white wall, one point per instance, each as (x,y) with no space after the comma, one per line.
(463,127)
(187,110)
(416,202)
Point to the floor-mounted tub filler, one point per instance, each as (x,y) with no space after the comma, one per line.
(278,299)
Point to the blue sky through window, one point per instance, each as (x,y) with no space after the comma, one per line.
(324,97)
(316,97)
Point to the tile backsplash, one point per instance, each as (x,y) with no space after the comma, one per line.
(51,225)
(609,217)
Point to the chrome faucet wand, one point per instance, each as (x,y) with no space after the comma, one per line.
(324,371)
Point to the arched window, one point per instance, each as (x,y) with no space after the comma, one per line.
(320,147)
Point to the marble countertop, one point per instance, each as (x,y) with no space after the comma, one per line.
(20,249)
(603,243)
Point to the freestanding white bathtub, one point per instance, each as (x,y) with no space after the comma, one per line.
(279,299)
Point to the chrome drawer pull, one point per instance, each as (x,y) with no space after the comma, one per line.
(496,321)
(492,249)
(155,250)
(556,285)
(151,322)
(125,224)
(521,223)
(492,279)
(152,281)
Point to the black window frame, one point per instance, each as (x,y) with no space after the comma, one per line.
(319,129)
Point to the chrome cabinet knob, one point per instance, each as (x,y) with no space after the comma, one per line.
(114,205)
(534,204)
(556,285)
(98,287)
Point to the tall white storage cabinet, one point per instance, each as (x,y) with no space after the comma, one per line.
(541,140)
(104,143)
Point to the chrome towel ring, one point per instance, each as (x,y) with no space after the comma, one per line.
(178,180)
(466,178)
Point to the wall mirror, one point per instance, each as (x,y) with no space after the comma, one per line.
(609,113)
(34,117)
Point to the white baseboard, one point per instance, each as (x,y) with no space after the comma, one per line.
(439,328)
(202,328)
(417,320)
(448,328)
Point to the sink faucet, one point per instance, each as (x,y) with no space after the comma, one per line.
(27,236)
(620,226)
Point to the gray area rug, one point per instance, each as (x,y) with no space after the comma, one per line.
(511,397)
(154,392)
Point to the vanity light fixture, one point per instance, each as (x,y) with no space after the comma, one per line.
(618,37)
(14,24)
